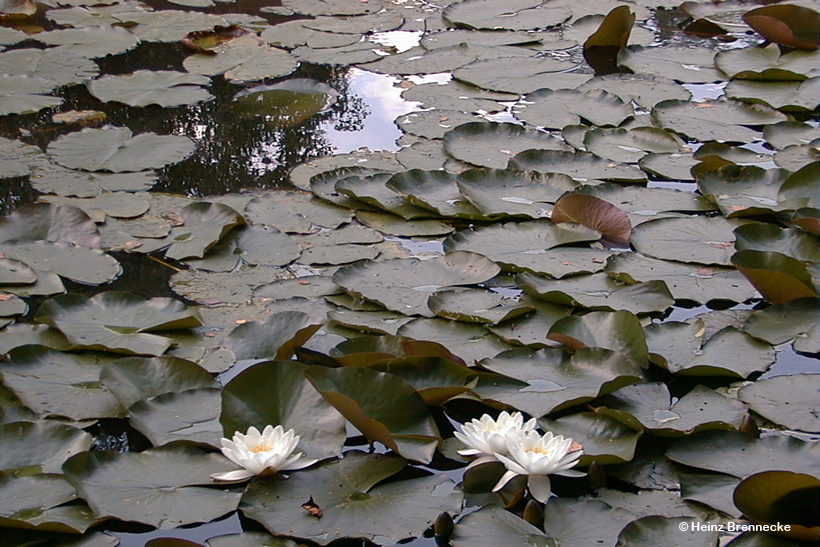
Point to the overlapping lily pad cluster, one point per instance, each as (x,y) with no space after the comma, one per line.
(533,246)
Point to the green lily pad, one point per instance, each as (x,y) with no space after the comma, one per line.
(243,59)
(768,237)
(523,246)
(793,320)
(605,439)
(784,134)
(645,90)
(58,66)
(515,15)
(407,293)
(382,406)
(433,190)
(41,447)
(381,21)
(790,401)
(133,379)
(329,7)
(662,503)
(650,530)
(693,239)
(117,149)
(684,64)
(776,497)
(685,281)
(54,223)
(161,487)
(503,193)
(630,145)
(418,60)
(714,490)
(15,272)
(57,384)
(275,338)
(793,95)
(557,109)
(741,455)
(437,380)
(91,42)
(802,185)
(486,143)
(598,292)
(470,342)
(191,416)
(767,63)
(250,539)
(18,158)
(650,406)
(235,287)
(526,74)
(375,322)
(680,348)
(492,525)
(247,401)
(359,52)
(475,306)
(778,277)
(204,224)
(397,226)
(669,166)
(117,321)
(642,201)
(790,25)
(36,503)
(572,379)
(529,330)
(80,264)
(618,331)
(294,212)
(286,104)
(145,87)
(372,190)
(25,94)
(434,124)
(352,505)
(164,25)
(584,522)
(455,95)
(744,190)
(715,120)
(578,165)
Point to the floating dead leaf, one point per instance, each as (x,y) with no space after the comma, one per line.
(84,118)
(5,297)
(304,282)
(132,245)
(206,41)
(312,509)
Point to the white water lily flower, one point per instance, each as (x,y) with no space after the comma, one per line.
(270,451)
(538,457)
(487,437)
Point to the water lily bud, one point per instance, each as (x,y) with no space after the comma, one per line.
(534,513)
(749,426)
(443,527)
(597,475)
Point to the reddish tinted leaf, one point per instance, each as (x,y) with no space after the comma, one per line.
(596,213)
(777,277)
(792,26)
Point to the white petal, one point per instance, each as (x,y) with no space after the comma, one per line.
(571,473)
(480,461)
(233,476)
(540,487)
(505,478)
(511,465)
(299,463)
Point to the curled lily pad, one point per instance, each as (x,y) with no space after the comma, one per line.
(203,225)
(720,120)
(163,487)
(600,215)
(578,165)
(602,47)
(790,25)
(470,342)
(145,87)
(275,338)
(790,95)
(382,406)
(767,63)
(434,190)
(403,285)
(351,504)
(618,331)
(117,149)
(55,223)
(645,90)
(604,439)
(117,321)
(781,497)
(791,320)
(684,64)
(475,306)
(778,277)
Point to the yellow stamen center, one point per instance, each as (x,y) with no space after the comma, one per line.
(260,448)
